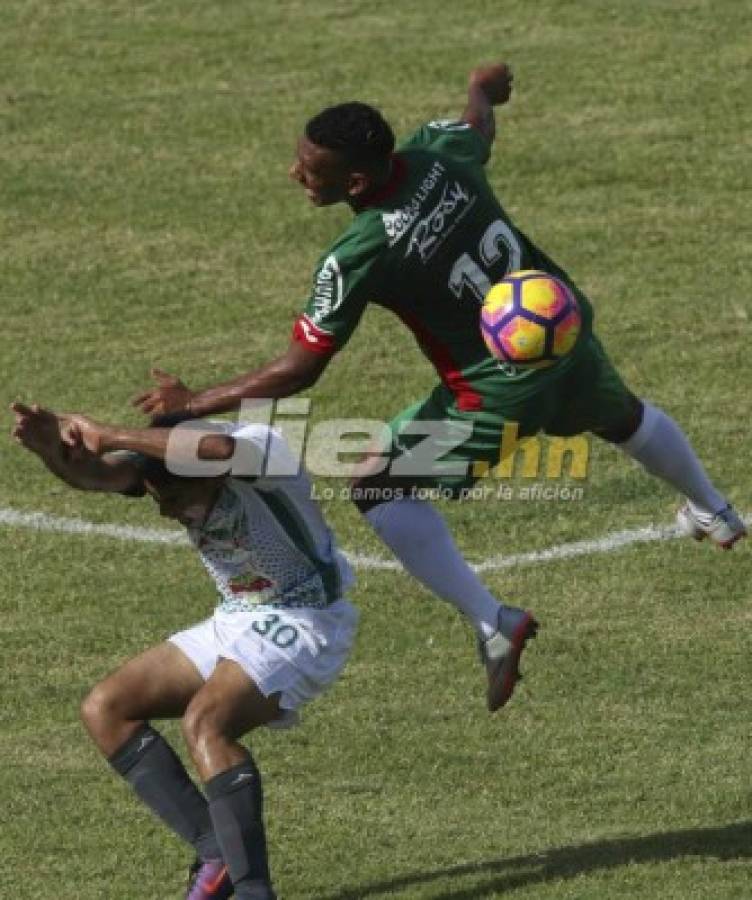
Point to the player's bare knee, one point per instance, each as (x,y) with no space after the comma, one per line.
(99,707)
(201,725)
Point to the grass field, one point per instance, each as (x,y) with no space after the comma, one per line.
(146,218)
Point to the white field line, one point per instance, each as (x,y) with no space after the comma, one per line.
(39,521)
(607,544)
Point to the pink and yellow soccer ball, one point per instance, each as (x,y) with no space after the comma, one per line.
(530,319)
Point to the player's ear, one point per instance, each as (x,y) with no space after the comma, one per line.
(358,184)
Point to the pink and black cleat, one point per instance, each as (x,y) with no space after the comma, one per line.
(209,880)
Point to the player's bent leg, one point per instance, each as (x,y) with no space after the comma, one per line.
(596,399)
(228,706)
(157,684)
(418,535)
(411,527)
(662,448)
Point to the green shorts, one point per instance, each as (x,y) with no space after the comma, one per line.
(588,396)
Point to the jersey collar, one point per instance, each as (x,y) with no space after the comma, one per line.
(397,175)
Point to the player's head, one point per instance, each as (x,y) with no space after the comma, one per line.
(344,154)
(189,500)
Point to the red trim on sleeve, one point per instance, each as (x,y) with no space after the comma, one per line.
(313,338)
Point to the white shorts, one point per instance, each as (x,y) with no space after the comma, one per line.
(295,652)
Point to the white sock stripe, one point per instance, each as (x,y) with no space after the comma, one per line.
(40,521)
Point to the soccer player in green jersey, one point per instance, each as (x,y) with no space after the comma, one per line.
(428,239)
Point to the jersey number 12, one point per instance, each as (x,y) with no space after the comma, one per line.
(466,273)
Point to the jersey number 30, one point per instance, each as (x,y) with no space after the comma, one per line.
(280,634)
(466,273)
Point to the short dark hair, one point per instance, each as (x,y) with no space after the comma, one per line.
(355,130)
(154,470)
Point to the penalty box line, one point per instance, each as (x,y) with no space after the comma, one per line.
(39,521)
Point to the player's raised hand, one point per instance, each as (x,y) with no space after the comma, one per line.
(35,428)
(169,396)
(494,80)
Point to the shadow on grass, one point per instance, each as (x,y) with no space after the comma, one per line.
(725,842)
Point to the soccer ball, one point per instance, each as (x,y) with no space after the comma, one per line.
(530,319)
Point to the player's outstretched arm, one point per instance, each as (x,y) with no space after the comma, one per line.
(48,435)
(489,86)
(180,444)
(294,371)
(84,453)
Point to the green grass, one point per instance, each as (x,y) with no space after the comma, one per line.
(146,218)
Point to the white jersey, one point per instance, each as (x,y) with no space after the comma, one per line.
(265,542)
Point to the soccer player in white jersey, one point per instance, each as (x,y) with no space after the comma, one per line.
(279,636)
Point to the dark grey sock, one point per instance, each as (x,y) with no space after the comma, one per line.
(154,771)
(236,809)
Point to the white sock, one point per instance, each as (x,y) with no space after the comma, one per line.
(663,449)
(418,536)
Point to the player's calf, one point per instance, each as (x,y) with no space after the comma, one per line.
(228,706)
(236,809)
